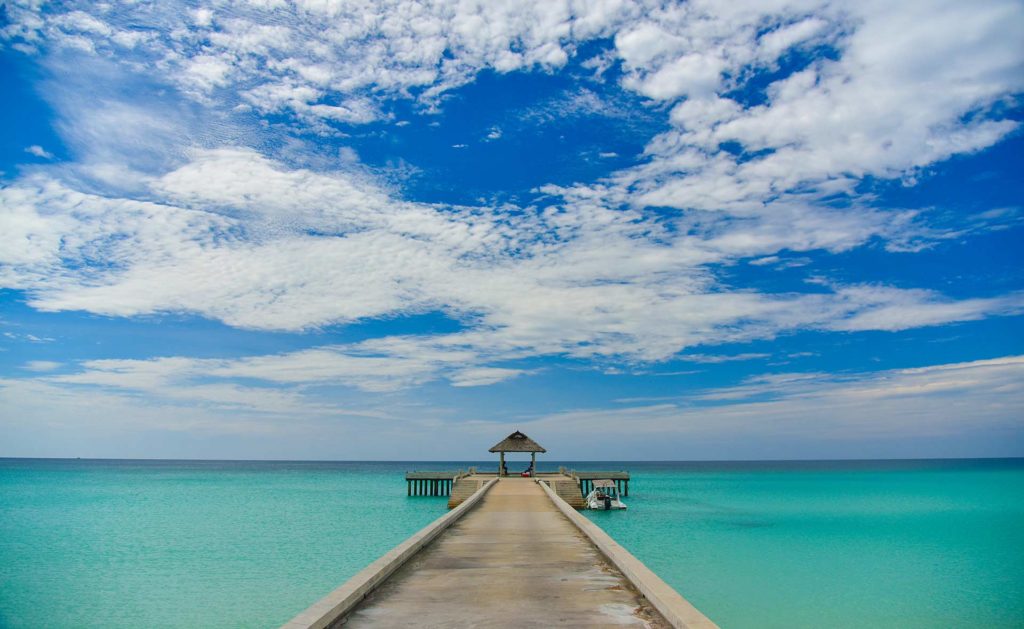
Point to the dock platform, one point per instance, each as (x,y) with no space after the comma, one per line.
(443,483)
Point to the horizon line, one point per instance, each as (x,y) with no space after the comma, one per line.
(831,460)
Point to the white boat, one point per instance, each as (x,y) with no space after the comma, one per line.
(604,496)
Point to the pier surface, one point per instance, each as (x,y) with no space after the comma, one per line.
(513,561)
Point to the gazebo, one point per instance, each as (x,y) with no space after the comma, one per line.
(517,442)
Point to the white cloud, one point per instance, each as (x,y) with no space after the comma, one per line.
(176,380)
(957,409)
(31,338)
(940,410)
(271,54)
(150,219)
(289,249)
(775,42)
(722,358)
(901,310)
(39,151)
(377,366)
(41,365)
(827,125)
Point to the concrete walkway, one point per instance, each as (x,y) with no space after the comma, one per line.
(513,561)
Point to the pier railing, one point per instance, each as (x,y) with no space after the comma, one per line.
(433,483)
(678,611)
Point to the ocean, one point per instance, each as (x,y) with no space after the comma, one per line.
(897,544)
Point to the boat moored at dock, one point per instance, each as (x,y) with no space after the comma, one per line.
(605,496)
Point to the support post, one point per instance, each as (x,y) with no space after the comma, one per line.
(501,464)
(533,464)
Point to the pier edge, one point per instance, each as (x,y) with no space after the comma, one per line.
(331,609)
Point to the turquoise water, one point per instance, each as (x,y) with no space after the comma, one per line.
(179,544)
(234,544)
(898,544)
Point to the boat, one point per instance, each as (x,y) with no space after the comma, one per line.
(605,496)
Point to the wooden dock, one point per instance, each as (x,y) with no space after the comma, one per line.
(513,554)
(441,483)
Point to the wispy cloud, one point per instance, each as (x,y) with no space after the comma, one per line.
(721,358)
(39,151)
(942,401)
(942,409)
(41,365)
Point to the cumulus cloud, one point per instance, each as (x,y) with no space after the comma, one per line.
(299,58)
(821,128)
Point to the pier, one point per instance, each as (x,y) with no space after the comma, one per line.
(512,552)
(510,556)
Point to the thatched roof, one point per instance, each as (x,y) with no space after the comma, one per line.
(517,442)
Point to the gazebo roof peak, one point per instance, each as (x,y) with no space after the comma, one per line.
(517,442)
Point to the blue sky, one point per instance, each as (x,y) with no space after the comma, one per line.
(401,230)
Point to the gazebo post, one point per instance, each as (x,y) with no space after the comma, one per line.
(501,463)
(533,464)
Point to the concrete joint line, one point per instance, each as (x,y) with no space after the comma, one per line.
(679,612)
(333,608)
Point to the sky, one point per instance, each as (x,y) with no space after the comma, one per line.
(402,229)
